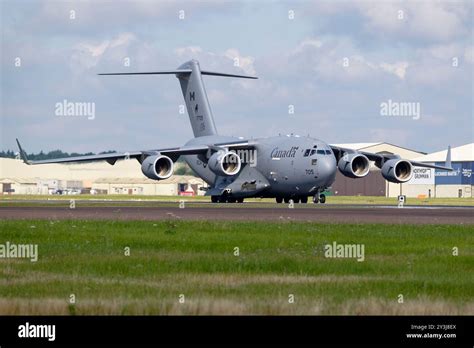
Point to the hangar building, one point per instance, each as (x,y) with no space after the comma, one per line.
(437,183)
(425,182)
(174,186)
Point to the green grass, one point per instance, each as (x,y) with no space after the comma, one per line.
(169,258)
(121,200)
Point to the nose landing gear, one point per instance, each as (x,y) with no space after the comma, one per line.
(319,198)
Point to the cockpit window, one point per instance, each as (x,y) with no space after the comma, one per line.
(311,152)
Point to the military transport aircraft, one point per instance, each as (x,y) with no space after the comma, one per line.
(285,167)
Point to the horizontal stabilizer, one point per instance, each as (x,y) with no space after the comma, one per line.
(164,72)
(204,72)
(182,71)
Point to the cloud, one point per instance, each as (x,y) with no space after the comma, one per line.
(440,64)
(230,57)
(428,20)
(393,21)
(338,58)
(306,43)
(188,51)
(398,69)
(469,54)
(390,135)
(86,54)
(243,62)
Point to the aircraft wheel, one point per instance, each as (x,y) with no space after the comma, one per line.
(296,199)
(286,200)
(240,200)
(279,199)
(215,199)
(304,199)
(322,198)
(315,199)
(231,200)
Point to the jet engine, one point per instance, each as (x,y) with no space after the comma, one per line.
(157,167)
(354,165)
(224,163)
(397,170)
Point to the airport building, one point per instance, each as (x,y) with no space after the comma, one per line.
(125,177)
(22,186)
(428,182)
(184,185)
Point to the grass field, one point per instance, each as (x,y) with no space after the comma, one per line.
(197,259)
(28,200)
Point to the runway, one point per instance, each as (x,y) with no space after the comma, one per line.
(326,214)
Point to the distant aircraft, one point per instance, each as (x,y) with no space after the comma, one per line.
(283,167)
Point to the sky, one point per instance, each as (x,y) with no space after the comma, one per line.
(326,69)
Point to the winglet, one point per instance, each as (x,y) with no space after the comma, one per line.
(23,155)
(448,158)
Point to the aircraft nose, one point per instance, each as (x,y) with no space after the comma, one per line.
(327,169)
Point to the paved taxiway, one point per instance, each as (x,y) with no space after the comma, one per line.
(326,214)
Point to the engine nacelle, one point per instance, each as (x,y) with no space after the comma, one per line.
(157,167)
(354,165)
(224,163)
(397,170)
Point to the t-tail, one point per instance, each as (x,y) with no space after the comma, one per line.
(194,94)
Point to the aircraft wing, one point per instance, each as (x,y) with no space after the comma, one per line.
(111,158)
(240,144)
(380,159)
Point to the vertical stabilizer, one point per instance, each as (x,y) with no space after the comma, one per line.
(195,97)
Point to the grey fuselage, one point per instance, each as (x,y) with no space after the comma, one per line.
(280,166)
